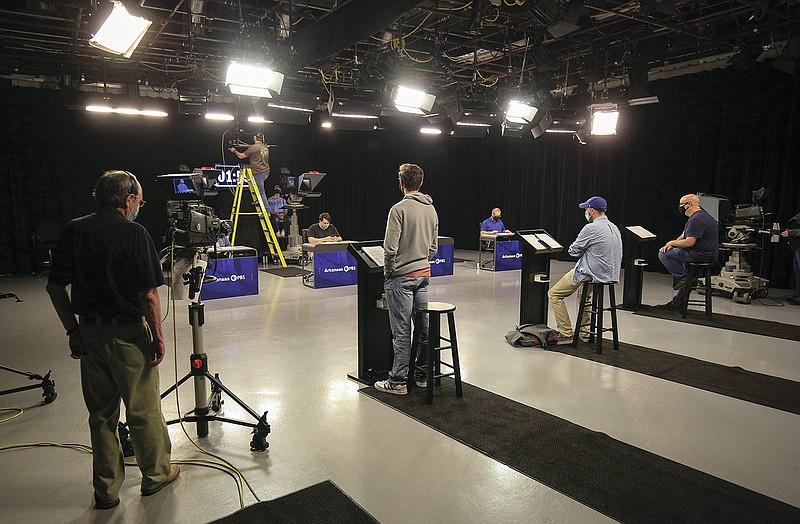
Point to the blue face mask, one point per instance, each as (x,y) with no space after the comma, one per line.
(135,214)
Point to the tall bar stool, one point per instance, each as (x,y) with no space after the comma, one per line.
(698,270)
(432,369)
(595,324)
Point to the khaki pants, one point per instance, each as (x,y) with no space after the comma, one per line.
(117,366)
(561,290)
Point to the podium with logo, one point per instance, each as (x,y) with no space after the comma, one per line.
(537,248)
(502,252)
(235,270)
(442,261)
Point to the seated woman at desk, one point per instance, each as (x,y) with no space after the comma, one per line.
(323,231)
(493,224)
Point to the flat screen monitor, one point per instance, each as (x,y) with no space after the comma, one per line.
(182,185)
(228,174)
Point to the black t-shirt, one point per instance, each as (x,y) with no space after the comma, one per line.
(108,260)
(314,231)
(703,227)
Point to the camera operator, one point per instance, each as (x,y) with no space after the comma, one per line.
(258,153)
(112,265)
(792,235)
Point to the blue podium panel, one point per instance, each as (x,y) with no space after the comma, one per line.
(507,255)
(334,268)
(236,277)
(442,261)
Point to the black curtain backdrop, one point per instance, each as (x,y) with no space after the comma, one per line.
(721,132)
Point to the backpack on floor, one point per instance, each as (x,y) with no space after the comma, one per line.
(532,335)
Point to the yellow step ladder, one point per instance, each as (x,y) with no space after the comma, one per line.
(246,175)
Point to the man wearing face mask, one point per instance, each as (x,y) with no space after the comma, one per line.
(493,224)
(599,246)
(112,316)
(699,242)
(323,231)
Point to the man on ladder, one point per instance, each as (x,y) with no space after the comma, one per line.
(258,153)
(246,176)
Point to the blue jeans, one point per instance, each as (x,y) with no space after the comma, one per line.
(677,260)
(260,179)
(796,273)
(402,295)
(276,223)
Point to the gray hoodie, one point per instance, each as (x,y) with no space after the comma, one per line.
(412,235)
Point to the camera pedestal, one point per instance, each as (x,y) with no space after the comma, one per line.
(206,406)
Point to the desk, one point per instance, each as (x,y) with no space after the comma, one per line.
(506,252)
(236,271)
(334,266)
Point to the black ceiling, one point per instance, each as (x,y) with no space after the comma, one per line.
(475,50)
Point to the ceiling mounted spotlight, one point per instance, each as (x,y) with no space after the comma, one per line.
(121,32)
(520,112)
(414,101)
(253,80)
(604,119)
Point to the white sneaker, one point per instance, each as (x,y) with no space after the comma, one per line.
(421,382)
(388,387)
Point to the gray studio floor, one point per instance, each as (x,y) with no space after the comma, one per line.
(288,350)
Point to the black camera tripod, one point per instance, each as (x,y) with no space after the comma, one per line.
(47,384)
(206,406)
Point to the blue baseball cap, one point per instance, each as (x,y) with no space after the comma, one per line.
(596,202)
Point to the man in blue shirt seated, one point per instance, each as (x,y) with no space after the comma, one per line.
(493,224)
(599,246)
(699,242)
(277,212)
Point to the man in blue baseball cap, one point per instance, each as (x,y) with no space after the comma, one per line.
(599,246)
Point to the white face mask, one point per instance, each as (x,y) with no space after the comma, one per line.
(587,215)
(324,226)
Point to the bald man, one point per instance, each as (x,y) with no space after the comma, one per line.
(699,242)
(493,224)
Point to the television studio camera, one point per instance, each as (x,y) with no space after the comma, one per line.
(193,230)
(744,225)
(298,188)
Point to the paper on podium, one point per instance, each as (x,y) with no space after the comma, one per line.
(375,253)
(640,232)
(541,241)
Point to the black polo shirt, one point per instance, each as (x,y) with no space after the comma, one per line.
(108,260)
(314,231)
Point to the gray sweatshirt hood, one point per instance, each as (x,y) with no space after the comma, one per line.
(422,198)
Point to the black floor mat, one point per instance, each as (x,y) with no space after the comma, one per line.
(774,392)
(744,324)
(287,272)
(621,481)
(321,503)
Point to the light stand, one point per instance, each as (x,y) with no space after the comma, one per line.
(206,406)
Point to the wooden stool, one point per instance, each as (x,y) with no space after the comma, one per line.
(597,310)
(432,369)
(698,270)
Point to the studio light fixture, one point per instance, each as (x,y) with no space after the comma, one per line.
(218,116)
(326,124)
(520,112)
(604,122)
(430,131)
(121,32)
(253,80)
(414,101)
(126,111)
(258,120)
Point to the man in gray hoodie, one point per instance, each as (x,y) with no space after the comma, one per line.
(411,239)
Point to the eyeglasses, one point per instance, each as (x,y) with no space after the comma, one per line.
(142,203)
(683,204)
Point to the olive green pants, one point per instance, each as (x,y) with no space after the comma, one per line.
(117,366)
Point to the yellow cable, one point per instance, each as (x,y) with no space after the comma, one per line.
(415,59)
(418,26)
(19,411)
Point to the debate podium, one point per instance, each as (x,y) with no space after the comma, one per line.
(636,239)
(374,333)
(537,247)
